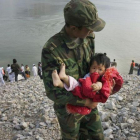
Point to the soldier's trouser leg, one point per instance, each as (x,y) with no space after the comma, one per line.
(69,123)
(90,127)
(69,127)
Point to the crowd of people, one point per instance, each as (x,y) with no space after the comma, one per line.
(11,73)
(134,65)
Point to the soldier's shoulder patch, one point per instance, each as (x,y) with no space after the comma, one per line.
(53,42)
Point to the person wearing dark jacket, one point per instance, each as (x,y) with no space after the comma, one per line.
(15,68)
(138,70)
(40,70)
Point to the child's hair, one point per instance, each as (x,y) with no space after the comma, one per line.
(100,58)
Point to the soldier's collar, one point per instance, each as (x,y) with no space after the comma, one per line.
(71,43)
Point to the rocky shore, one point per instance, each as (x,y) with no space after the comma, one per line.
(27,114)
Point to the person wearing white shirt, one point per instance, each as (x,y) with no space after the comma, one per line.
(22,68)
(22,72)
(34,69)
(8,69)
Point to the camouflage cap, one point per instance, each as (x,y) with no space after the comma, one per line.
(83,13)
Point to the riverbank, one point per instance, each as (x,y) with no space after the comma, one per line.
(27,114)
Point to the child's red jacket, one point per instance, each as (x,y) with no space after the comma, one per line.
(85,90)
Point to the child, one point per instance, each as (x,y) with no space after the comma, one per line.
(88,87)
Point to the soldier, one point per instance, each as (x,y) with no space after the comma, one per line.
(74,46)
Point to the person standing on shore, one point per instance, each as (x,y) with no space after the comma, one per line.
(132,67)
(40,70)
(74,46)
(15,68)
(114,64)
(8,70)
(34,70)
(22,68)
(138,70)
(22,72)
(1,76)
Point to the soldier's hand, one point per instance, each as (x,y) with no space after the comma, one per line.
(91,104)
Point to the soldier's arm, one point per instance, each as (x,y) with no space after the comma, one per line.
(60,96)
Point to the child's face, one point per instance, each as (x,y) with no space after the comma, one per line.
(100,69)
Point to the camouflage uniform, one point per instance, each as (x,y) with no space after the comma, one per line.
(76,56)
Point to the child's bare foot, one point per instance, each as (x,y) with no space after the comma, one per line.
(56,79)
(62,73)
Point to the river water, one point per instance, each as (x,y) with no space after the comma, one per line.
(25,26)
